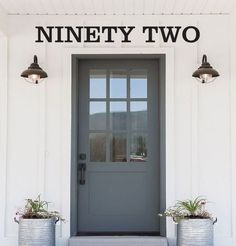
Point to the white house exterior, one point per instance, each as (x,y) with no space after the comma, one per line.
(35,120)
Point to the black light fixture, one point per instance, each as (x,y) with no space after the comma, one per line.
(205,73)
(34,73)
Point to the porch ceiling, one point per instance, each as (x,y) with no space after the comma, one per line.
(116,7)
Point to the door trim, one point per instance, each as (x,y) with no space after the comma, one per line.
(74,187)
(66,123)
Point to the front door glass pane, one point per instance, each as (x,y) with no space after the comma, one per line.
(138,115)
(97,115)
(97,147)
(138,84)
(118,147)
(118,115)
(118,84)
(97,83)
(138,147)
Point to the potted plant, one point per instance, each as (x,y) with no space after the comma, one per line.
(36,223)
(194,222)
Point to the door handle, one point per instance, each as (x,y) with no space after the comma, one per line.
(82,169)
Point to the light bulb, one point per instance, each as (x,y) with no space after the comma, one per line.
(206,77)
(34,78)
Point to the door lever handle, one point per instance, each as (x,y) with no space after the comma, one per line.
(82,169)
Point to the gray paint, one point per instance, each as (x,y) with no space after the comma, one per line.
(162,114)
(74,134)
(74,190)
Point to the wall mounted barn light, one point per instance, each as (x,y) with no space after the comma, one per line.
(34,73)
(205,73)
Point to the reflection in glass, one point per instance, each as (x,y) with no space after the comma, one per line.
(138,147)
(118,115)
(97,82)
(118,86)
(97,147)
(118,147)
(138,115)
(138,84)
(97,115)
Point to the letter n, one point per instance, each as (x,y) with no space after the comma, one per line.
(47,35)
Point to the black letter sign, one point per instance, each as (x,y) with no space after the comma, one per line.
(184,34)
(47,36)
(150,32)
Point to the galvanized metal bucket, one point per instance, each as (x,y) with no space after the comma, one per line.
(195,232)
(36,232)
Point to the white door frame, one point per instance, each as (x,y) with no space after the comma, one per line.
(66,122)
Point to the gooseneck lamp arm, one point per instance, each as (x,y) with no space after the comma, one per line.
(204,59)
(35,59)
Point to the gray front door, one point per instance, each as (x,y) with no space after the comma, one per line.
(118,146)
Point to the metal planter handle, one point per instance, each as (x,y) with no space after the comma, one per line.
(17,221)
(214,221)
(57,220)
(175,221)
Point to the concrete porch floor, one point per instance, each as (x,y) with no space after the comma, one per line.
(118,241)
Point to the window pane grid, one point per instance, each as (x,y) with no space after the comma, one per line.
(119,130)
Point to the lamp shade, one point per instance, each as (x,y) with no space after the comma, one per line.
(205,73)
(34,73)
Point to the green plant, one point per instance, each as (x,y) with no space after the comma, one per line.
(192,209)
(38,209)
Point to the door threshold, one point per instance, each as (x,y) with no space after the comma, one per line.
(118,241)
(143,234)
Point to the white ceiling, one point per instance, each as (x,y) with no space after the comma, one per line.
(116,7)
